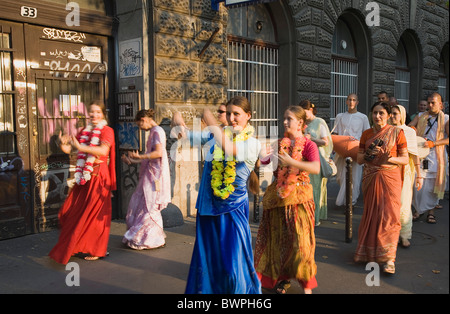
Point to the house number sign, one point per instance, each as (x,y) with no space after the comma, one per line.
(28,12)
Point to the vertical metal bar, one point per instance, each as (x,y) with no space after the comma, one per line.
(349,202)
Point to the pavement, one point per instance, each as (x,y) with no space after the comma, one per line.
(25,267)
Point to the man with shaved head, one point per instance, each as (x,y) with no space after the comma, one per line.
(351,123)
(433,126)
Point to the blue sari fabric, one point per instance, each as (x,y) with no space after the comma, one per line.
(222,260)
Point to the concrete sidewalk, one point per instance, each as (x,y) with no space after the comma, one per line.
(422,268)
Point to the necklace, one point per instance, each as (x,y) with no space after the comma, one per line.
(287,177)
(222,177)
(85,162)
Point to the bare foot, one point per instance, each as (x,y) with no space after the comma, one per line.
(405,243)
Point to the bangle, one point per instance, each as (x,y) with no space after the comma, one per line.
(419,178)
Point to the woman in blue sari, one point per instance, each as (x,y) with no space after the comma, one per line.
(222,260)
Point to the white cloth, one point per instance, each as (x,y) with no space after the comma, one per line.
(248,152)
(406,199)
(432,159)
(352,124)
(426,199)
(357,171)
(411,139)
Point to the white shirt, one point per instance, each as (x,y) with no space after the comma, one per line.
(352,124)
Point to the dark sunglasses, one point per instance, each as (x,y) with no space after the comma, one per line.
(221,111)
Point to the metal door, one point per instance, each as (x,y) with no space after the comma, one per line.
(62,107)
(16,212)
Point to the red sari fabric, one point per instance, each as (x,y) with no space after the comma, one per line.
(380,225)
(85,217)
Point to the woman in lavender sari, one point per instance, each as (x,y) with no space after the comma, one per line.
(144,221)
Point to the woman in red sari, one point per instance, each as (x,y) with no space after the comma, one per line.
(85,217)
(383,151)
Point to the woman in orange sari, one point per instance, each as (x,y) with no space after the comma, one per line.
(383,151)
(285,243)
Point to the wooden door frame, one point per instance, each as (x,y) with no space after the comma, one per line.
(23,209)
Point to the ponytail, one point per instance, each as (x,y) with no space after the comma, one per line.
(253,184)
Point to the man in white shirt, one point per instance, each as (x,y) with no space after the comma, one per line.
(433,126)
(352,123)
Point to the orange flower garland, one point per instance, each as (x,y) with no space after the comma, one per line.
(287,177)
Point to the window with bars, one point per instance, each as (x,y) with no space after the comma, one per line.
(344,81)
(402,80)
(442,81)
(442,88)
(253,73)
(62,107)
(401,85)
(344,69)
(7,127)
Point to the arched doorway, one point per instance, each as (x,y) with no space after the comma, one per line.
(261,50)
(408,71)
(350,55)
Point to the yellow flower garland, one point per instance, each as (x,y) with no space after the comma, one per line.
(222,178)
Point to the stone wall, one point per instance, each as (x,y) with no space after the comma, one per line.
(427,21)
(182,80)
(185,81)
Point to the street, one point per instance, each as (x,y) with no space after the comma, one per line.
(422,268)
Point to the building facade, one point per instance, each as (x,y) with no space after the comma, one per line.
(188,55)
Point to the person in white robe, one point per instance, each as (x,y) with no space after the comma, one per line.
(410,179)
(352,123)
(433,126)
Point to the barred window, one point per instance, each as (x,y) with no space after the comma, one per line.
(402,83)
(344,69)
(442,83)
(344,81)
(253,73)
(62,107)
(402,76)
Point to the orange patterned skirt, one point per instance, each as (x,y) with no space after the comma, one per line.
(285,244)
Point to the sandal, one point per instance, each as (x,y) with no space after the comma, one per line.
(91,258)
(438,206)
(94,258)
(431,219)
(389,267)
(283,286)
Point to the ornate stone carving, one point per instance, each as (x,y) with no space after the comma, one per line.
(176,69)
(171,46)
(174,24)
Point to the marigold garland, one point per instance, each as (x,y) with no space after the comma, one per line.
(222,177)
(85,162)
(287,177)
